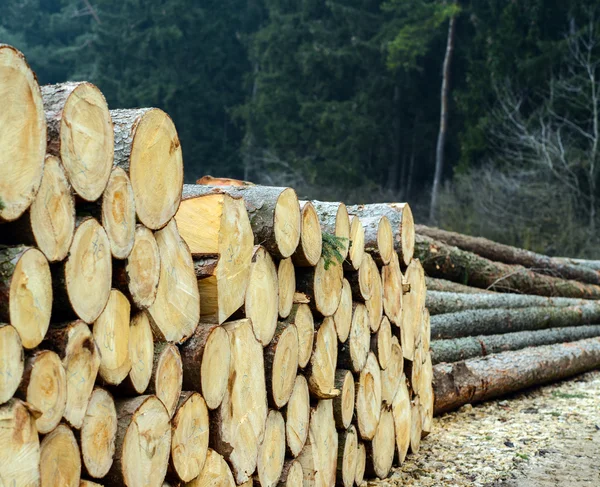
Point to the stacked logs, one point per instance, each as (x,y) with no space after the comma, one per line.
(154,333)
(503,318)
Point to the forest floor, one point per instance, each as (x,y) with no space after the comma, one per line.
(548,436)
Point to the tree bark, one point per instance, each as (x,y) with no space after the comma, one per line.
(291,474)
(281,364)
(541,264)
(309,249)
(60,458)
(335,221)
(485,378)
(347,456)
(445,261)
(379,238)
(297,417)
(271,453)
(12,363)
(443,285)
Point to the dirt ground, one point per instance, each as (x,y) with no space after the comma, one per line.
(544,437)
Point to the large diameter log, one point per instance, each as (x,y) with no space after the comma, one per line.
(137,277)
(497,321)
(448,262)
(308,252)
(361,463)
(23,141)
(401,410)
(238,425)
(60,459)
(297,417)
(189,440)
(301,316)
(175,312)
(261,304)
(375,302)
(167,376)
(391,282)
(412,308)
(392,375)
(111,333)
(380,451)
(50,221)
(98,434)
(147,148)
(321,371)
(206,359)
(342,317)
(343,405)
(455,350)
(319,456)
(141,354)
(353,354)
(44,386)
(217,230)
(25,292)
(485,378)
(12,361)
(453,287)
(291,474)
(281,364)
(356,251)
(20,452)
(271,453)
(82,282)
(286,277)
(511,255)
(274,213)
(80,356)
(347,457)
(379,238)
(143,443)
(80,132)
(215,473)
(323,285)
(402,223)
(368,398)
(335,221)
(381,343)
(441,302)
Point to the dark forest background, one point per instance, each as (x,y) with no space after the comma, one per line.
(341,99)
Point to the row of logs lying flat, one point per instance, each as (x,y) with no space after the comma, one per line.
(503,318)
(196,335)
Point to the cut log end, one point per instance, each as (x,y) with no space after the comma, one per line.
(12,363)
(347,457)
(167,376)
(368,398)
(412,308)
(375,302)
(361,463)
(22,153)
(402,412)
(118,213)
(216,472)
(286,277)
(302,317)
(281,362)
(214,368)
(141,352)
(392,375)
(271,453)
(381,343)
(321,376)
(343,315)
(262,296)
(385,240)
(380,452)
(309,249)
(60,459)
(353,354)
(343,405)
(407,232)
(287,223)
(297,417)
(391,281)
(98,434)
(291,475)
(357,243)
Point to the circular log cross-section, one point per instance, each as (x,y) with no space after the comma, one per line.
(368,398)
(357,244)
(60,459)
(118,213)
(11,362)
(215,473)
(297,417)
(143,443)
(262,296)
(401,409)
(361,281)
(44,386)
(25,293)
(23,139)
(80,356)
(343,315)
(416,428)
(286,276)
(239,423)
(335,221)
(271,453)
(391,281)
(321,373)
(426,395)
(343,405)
(380,452)
(147,148)
(141,352)
(347,457)
(379,239)
(301,316)
(138,276)
(361,463)
(391,376)
(291,474)
(167,376)
(80,132)
(111,332)
(381,343)
(86,274)
(176,310)
(206,359)
(20,452)
(323,284)
(309,249)
(375,302)
(189,443)
(353,353)
(412,308)
(98,434)
(281,364)
(51,218)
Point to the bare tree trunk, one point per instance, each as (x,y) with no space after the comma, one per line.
(439,153)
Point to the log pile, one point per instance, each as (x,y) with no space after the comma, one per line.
(154,333)
(504,319)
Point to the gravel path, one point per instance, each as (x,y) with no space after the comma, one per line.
(545,437)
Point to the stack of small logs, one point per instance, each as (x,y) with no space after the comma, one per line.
(503,318)
(155,333)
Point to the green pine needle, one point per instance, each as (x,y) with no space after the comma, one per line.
(332,247)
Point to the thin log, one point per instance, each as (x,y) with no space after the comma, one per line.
(321,370)
(375,303)
(342,317)
(281,364)
(381,343)
(416,425)
(426,396)
(356,251)
(361,463)
(453,287)
(323,285)
(301,316)
(291,474)
(308,252)
(368,398)
(392,375)
(512,255)
(286,276)
(215,472)
(401,410)
(361,281)
(335,221)
(412,308)
(481,379)
(271,453)
(347,457)
(297,417)
(343,405)
(379,238)
(60,458)
(391,281)
(353,353)
(141,354)
(380,451)
(167,376)
(12,363)
(592,264)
